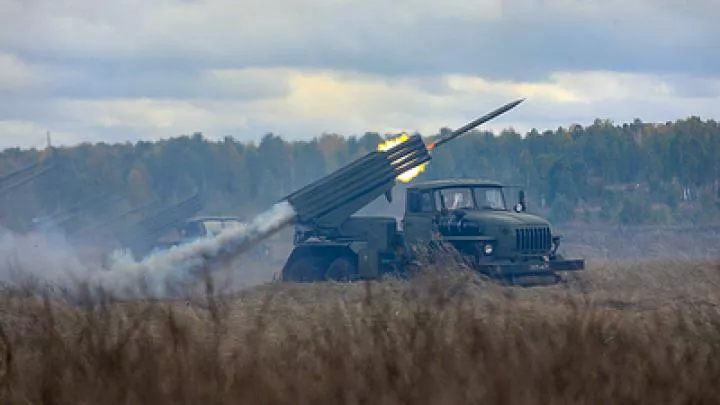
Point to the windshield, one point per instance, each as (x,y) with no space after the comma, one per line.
(489,198)
(213,227)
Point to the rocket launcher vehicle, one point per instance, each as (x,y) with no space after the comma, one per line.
(330,201)
(330,243)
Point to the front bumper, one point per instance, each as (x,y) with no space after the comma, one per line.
(530,273)
(531,267)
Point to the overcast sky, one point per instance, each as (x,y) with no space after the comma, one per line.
(130,69)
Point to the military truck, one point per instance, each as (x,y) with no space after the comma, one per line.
(470,215)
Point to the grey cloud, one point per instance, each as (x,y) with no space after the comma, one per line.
(21,107)
(532,113)
(545,116)
(696,87)
(531,40)
(102,79)
(137,51)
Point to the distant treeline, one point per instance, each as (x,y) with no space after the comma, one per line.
(632,173)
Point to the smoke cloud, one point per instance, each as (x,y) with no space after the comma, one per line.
(47,258)
(156,273)
(43,256)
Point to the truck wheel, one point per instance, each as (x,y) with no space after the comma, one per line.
(303,270)
(341,269)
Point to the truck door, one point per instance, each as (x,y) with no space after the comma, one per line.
(421,210)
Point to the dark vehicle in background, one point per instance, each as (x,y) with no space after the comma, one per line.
(208,226)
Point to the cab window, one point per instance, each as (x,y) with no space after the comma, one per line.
(421,201)
(426,202)
(458,198)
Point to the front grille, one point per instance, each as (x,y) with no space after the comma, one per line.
(533,240)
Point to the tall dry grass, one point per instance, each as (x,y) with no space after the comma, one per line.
(643,334)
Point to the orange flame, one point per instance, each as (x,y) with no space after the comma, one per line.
(407,176)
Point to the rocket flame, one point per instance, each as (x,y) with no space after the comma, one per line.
(390,143)
(412,173)
(407,176)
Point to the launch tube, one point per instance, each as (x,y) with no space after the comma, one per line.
(467,127)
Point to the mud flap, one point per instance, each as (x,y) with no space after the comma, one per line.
(567,265)
(532,279)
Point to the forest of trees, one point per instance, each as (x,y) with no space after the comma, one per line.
(632,173)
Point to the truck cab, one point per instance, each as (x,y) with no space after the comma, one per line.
(474,216)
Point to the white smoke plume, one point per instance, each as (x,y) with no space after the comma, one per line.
(41,256)
(125,275)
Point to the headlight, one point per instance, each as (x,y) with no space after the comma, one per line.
(488,249)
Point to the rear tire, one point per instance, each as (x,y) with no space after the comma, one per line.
(305,269)
(342,269)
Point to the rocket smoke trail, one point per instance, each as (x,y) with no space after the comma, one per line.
(125,274)
(44,257)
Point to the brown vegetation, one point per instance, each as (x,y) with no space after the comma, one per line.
(641,333)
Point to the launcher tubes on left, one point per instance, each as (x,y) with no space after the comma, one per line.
(330,201)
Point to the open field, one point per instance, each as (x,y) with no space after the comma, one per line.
(619,333)
(634,243)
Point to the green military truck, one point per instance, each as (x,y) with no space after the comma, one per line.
(472,216)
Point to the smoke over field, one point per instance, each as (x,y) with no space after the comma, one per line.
(47,258)
(179,262)
(43,256)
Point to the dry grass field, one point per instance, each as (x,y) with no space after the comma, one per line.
(645,332)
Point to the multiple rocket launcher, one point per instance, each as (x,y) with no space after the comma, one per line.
(328,202)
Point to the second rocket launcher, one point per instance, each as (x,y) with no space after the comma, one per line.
(331,200)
